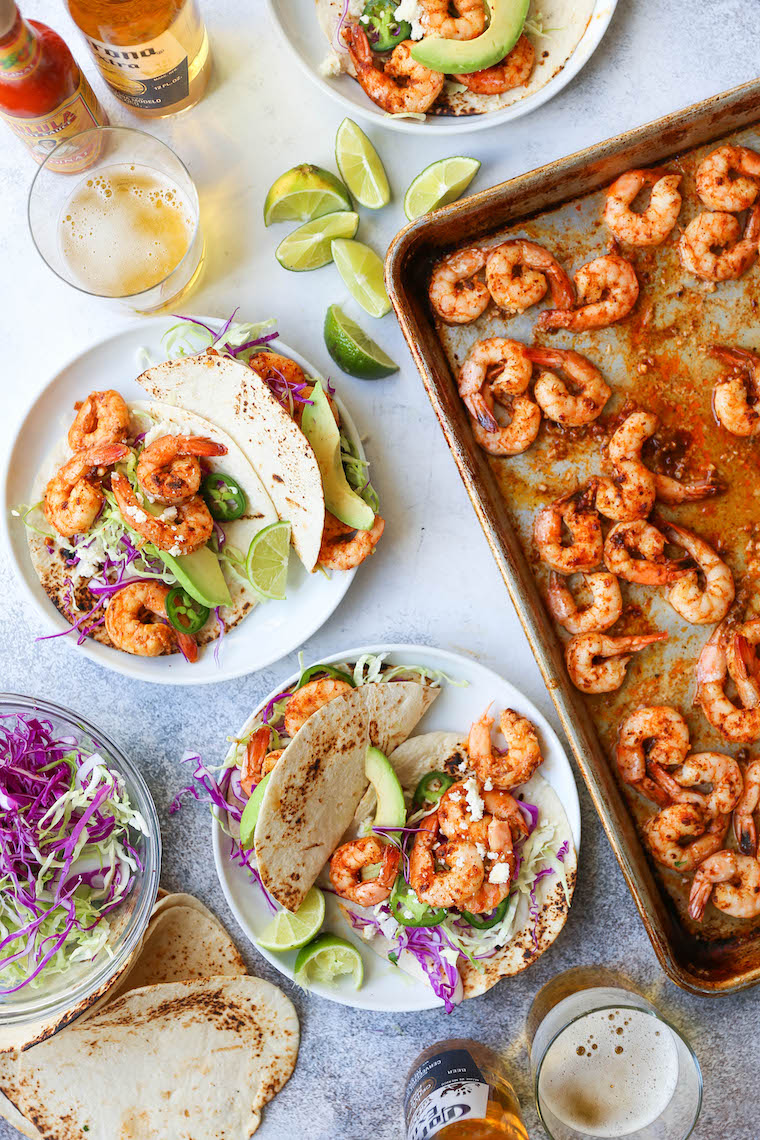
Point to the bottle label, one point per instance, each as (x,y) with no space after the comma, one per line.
(447,1088)
(153,74)
(43,134)
(21,55)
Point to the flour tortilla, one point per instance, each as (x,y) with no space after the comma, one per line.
(243,406)
(319,780)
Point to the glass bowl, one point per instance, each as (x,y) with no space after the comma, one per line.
(35,1012)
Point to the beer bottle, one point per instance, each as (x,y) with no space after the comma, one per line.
(153,54)
(457,1090)
(44,97)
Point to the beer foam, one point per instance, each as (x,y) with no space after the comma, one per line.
(124,229)
(610,1073)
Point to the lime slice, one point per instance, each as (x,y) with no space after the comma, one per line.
(304,193)
(362,273)
(288,931)
(360,166)
(352,350)
(308,247)
(438,184)
(327,958)
(267,561)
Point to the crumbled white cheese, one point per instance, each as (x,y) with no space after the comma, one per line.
(455,797)
(331,65)
(500,873)
(493,855)
(156,431)
(169,514)
(481,850)
(175,551)
(488,784)
(135,514)
(411,10)
(474,799)
(462,767)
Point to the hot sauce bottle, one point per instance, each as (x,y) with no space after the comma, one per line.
(44,97)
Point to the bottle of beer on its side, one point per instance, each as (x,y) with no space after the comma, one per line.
(457,1090)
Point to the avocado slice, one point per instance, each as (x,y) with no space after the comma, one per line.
(391,809)
(251,812)
(319,426)
(201,575)
(460,57)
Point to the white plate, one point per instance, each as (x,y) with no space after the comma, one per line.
(270,632)
(385,987)
(297,22)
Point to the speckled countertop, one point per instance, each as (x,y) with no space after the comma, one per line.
(433,579)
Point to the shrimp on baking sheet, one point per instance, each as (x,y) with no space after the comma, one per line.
(179,530)
(504,365)
(652,225)
(456,291)
(516,436)
(519,273)
(704,595)
(717,778)
(578,400)
(136,622)
(733,882)
(600,614)
(513,71)
(607,288)
(73,497)
(681,836)
(745,830)
(736,396)
(568,533)
(443,874)
(597,662)
(741,643)
(168,469)
(401,85)
(311,697)
(737,724)
(102,418)
(729,178)
(712,245)
(523,754)
(630,494)
(343,547)
(350,859)
(651,739)
(635,551)
(453,19)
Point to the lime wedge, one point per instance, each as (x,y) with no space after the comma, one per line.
(352,350)
(308,247)
(360,166)
(304,193)
(288,931)
(267,561)
(438,184)
(251,813)
(327,958)
(362,273)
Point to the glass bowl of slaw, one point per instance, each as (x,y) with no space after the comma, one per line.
(80,857)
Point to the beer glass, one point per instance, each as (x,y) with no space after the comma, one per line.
(122,222)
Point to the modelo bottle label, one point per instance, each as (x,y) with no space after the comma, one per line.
(80,112)
(447,1088)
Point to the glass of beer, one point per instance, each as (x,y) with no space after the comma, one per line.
(606,1063)
(122,222)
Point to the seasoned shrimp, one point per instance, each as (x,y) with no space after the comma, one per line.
(572,514)
(136,622)
(445,875)
(469,21)
(513,71)
(736,397)
(403,86)
(682,836)
(456,292)
(597,662)
(630,493)
(270,761)
(701,603)
(343,547)
(519,273)
(605,608)
(635,551)
(502,364)
(102,418)
(607,291)
(729,178)
(673,491)
(653,738)
(712,246)
(274,366)
(744,812)
(311,697)
(251,770)
(516,436)
(189,527)
(653,225)
(350,859)
(523,750)
(741,658)
(456,821)
(554,395)
(168,469)
(718,777)
(736,724)
(732,880)
(72,499)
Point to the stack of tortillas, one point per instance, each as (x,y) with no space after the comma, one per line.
(187,1046)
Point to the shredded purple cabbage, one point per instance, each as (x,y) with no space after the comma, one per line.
(269,707)
(532,813)
(338,34)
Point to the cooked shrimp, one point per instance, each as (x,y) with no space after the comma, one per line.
(736,397)
(673,491)
(656,737)
(136,622)
(718,777)
(343,547)
(597,662)
(653,225)
(270,761)
(631,492)
(447,875)
(607,291)
(189,527)
(350,859)
(682,836)
(513,71)
(729,178)
(72,500)
(556,398)
(636,551)
(102,418)
(523,750)
(742,662)
(502,364)
(519,273)
(516,436)
(253,758)
(575,515)
(712,246)
(605,608)
(456,292)
(274,366)
(739,725)
(437,19)
(168,469)
(701,603)
(744,812)
(403,86)
(456,821)
(732,880)
(311,697)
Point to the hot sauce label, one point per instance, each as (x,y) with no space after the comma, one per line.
(42,135)
(21,55)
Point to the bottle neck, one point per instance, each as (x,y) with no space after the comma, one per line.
(20,48)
